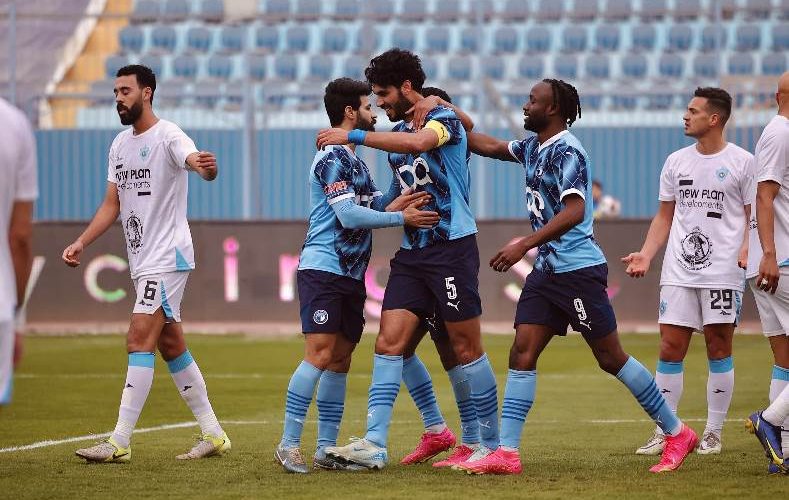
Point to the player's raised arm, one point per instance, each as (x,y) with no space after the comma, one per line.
(638,262)
(204,163)
(485,145)
(105,216)
(392,142)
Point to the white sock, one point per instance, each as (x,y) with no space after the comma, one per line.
(778,411)
(778,384)
(720,387)
(670,379)
(191,385)
(139,378)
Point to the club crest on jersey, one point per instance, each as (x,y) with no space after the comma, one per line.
(696,250)
(419,174)
(144,152)
(320,317)
(133,229)
(721,173)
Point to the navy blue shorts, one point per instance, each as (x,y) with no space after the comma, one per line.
(330,303)
(441,278)
(434,325)
(576,298)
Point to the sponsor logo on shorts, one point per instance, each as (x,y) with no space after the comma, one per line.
(320,317)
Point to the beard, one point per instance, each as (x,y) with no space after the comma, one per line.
(131,115)
(365,125)
(398,109)
(535,124)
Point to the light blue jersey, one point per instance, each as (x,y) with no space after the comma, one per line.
(336,175)
(555,169)
(443,172)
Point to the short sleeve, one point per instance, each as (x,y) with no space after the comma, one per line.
(517,149)
(112,163)
(574,173)
(446,124)
(771,162)
(180,146)
(747,190)
(27,175)
(667,191)
(334,175)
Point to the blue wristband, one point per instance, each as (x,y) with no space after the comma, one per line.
(356,136)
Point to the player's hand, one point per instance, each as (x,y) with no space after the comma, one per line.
(742,258)
(19,348)
(637,264)
(509,255)
(421,109)
(205,164)
(767,279)
(409,198)
(330,136)
(421,219)
(72,253)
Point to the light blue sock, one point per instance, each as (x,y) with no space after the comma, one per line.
(331,403)
(642,385)
(387,374)
(486,402)
(468,414)
(420,387)
(518,398)
(300,390)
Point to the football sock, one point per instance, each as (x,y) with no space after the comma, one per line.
(720,387)
(780,380)
(486,403)
(468,414)
(670,377)
(420,387)
(778,411)
(387,374)
(139,378)
(641,384)
(331,403)
(300,389)
(518,399)
(190,383)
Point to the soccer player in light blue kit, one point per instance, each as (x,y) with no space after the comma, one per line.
(436,269)
(345,206)
(568,283)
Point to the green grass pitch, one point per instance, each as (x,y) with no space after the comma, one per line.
(578,441)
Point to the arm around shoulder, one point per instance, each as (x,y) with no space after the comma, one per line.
(485,145)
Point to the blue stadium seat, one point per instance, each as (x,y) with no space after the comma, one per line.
(774,64)
(624,101)
(643,37)
(566,66)
(584,10)
(531,68)
(634,66)
(437,39)
(607,37)
(493,68)
(234,93)
(404,38)
(335,39)
(783,10)
(112,64)
(368,39)
(155,63)
(574,38)
(321,67)
(380,11)
(233,38)
(727,9)
(276,11)
(538,39)
(257,67)
(617,10)
(198,39)
(481,11)
(592,100)
(163,39)
(176,10)
(660,101)
(220,67)
(680,37)
(505,40)
(549,10)
(687,10)
(741,64)
(430,67)
(671,66)
(286,67)
(471,40)
(354,66)
(514,11)
(169,95)
(131,39)
(780,34)
(346,10)
(598,66)
(459,68)
(212,11)
(266,39)
(758,9)
(307,11)
(146,11)
(206,95)
(413,12)
(184,66)
(297,39)
(705,66)
(101,92)
(653,10)
(749,37)
(447,11)
(713,38)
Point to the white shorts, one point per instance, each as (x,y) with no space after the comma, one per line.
(696,307)
(773,309)
(164,290)
(7,334)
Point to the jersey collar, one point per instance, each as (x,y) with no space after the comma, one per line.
(552,139)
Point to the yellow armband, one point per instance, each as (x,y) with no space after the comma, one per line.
(440,129)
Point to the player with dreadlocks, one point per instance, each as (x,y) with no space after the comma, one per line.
(568,283)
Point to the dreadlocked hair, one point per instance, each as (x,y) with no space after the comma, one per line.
(565,97)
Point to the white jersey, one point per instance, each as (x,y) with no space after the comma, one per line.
(709,223)
(772,164)
(150,172)
(19,183)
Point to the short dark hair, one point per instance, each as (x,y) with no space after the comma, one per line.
(597,183)
(394,67)
(718,100)
(145,76)
(343,92)
(565,96)
(428,91)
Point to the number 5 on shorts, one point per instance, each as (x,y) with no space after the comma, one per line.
(452,290)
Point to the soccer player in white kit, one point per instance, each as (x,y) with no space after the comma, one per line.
(18,191)
(705,198)
(768,275)
(147,186)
